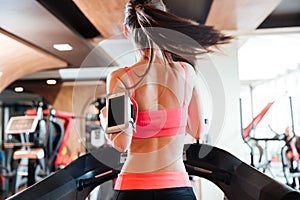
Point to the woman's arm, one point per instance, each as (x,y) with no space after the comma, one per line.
(122,140)
(195,122)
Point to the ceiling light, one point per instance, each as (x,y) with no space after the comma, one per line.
(63,47)
(19,89)
(51,82)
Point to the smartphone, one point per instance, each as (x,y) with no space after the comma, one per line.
(118,112)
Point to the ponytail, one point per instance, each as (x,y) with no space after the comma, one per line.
(150,25)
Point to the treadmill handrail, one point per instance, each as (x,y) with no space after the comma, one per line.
(235,178)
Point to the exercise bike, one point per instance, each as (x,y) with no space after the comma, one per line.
(33,156)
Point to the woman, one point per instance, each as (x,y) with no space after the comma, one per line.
(165,97)
(292,154)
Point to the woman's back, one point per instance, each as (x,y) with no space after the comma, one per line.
(164,89)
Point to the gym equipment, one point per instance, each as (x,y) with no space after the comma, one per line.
(34,156)
(23,126)
(253,142)
(56,149)
(235,178)
(4,177)
(290,174)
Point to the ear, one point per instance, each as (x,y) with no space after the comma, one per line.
(125,30)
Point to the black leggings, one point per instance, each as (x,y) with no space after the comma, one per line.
(180,193)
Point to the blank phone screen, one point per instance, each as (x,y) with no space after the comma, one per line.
(116,111)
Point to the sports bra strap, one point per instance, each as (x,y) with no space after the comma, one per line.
(127,69)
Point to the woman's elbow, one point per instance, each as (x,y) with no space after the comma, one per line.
(121,147)
(195,130)
(121,143)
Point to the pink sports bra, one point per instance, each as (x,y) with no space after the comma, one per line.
(159,123)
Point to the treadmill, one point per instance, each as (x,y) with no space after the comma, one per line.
(235,178)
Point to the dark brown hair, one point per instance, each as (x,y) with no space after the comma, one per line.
(151,26)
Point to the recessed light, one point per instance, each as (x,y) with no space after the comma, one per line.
(63,47)
(19,89)
(51,82)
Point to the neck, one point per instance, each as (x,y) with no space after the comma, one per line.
(143,55)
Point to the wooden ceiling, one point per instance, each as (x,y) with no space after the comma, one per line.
(18,58)
(106,15)
(27,35)
(246,15)
(242,16)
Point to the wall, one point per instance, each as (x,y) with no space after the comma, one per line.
(75,97)
(221,74)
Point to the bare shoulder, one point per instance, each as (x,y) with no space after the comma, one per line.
(116,73)
(190,69)
(114,80)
